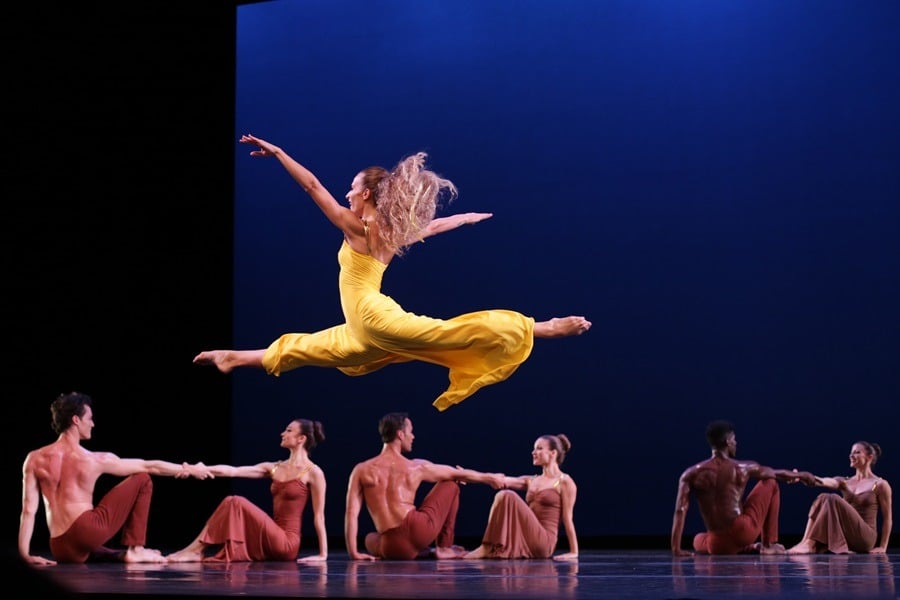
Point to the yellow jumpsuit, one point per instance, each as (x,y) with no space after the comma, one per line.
(479,348)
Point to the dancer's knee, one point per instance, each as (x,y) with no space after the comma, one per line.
(825,498)
(769,485)
(143,480)
(451,486)
(504,496)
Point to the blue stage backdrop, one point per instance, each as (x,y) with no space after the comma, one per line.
(714,184)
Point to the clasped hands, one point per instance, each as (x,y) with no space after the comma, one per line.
(805,477)
(495,480)
(197,471)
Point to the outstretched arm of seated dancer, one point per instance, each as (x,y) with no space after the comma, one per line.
(793,476)
(339,215)
(839,484)
(197,470)
(832,483)
(434,472)
(517,483)
(257,471)
(111,464)
(442,224)
(568,491)
(788,475)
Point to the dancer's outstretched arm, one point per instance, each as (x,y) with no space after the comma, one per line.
(257,471)
(341,216)
(442,224)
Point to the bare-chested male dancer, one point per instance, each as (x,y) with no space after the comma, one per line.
(387,483)
(718,484)
(64,474)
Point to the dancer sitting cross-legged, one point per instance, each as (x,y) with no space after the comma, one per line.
(389,211)
(240,531)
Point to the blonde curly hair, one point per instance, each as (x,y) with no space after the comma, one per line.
(406,199)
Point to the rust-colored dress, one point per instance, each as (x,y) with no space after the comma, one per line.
(845,524)
(523,528)
(246,533)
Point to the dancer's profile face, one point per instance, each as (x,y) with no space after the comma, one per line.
(858,456)
(541,454)
(85,423)
(291,435)
(731,445)
(356,195)
(407,436)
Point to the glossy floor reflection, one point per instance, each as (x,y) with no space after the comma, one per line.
(638,574)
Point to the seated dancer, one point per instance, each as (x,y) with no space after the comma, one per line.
(848,522)
(718,483)
(388,483)
(240,531)
(65,474)
(388,211)
(528,528)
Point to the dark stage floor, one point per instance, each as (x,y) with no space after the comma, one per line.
(621,575)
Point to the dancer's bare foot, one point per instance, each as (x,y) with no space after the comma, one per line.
(449,553)
(185,556)
(558,327)
(479,552)
(220,359)
(804,547)
(226,360)
(772,549)
(139,554)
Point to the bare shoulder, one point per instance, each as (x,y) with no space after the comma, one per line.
(102,457)
(748,466)
(42,452)
(316,472)
(364,466)
(692,470)
(31,457)
(265,467)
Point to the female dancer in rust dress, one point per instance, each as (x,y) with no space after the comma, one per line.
(528,528)
(389,211)
(848,522)
(240,531)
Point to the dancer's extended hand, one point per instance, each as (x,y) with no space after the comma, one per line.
(264,148)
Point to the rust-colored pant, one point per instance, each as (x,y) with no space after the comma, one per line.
(125,507)
(759,516)
(433,521)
